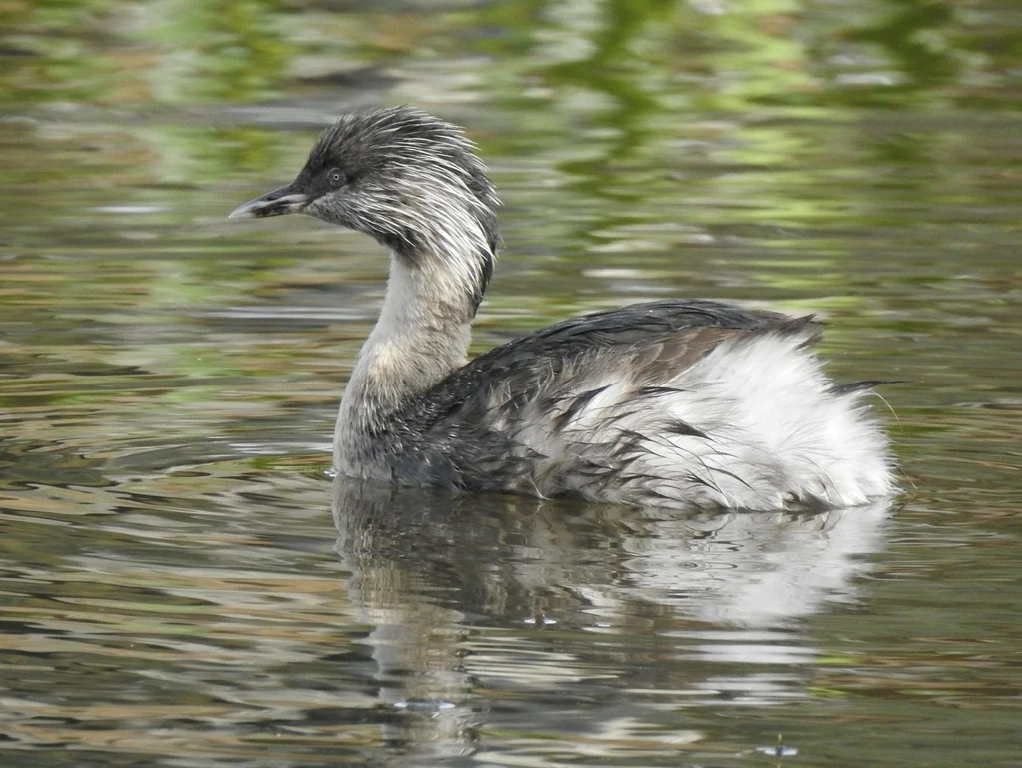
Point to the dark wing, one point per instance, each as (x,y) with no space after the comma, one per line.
(680,332)
(452,439)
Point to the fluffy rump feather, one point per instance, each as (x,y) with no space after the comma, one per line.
(754,424)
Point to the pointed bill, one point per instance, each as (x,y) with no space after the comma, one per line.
(275,203)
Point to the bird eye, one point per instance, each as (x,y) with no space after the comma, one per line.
(336,177)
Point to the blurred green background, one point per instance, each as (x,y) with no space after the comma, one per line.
(174,594)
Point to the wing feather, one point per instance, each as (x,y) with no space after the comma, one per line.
(488,423)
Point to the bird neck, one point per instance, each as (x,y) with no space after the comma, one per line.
(421,336)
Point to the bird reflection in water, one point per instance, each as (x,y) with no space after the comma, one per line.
(451,586)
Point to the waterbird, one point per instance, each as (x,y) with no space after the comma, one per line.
(685,403)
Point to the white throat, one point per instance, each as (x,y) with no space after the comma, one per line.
(421,336)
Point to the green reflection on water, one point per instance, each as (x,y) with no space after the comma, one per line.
(174,589)
(624,58)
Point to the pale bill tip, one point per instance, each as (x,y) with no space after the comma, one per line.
(242,212)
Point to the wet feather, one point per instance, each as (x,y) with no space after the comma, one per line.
(687,403)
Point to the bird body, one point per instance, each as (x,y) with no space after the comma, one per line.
(675,403)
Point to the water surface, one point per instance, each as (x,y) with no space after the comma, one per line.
(184,586)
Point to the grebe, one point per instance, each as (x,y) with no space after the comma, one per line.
(672,403)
